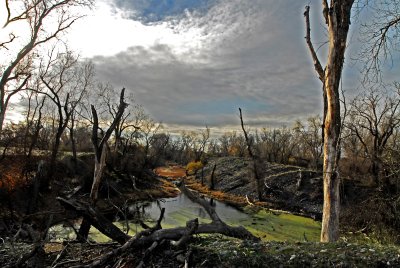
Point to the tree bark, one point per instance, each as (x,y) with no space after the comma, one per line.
(73,141)
(99,165)
(338,26)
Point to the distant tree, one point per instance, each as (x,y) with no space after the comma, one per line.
(149,133)
(33,121)
(232,144)
(309,138)
(199,143)
(159,146)
(374,117)
(186,141)
(270,144)
(213,148)
(65,83)
(132,119)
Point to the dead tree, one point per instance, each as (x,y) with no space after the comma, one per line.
(254,159)
(337,17)
(101,144)
(100,152)
(212,178)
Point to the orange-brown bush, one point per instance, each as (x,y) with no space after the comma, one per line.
(11,173)
(193,167)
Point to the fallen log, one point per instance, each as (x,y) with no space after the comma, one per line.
(96,219)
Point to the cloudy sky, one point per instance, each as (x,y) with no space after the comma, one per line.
(192,63)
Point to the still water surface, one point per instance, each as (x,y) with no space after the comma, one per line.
(178,210)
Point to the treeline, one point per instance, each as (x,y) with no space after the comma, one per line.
(59,93)
(60,121)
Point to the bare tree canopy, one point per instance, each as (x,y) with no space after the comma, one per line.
(46,21)
(380,37)
(373,118)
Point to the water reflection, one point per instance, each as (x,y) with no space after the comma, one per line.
(182,208)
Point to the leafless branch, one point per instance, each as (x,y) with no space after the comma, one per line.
(12,38)
(317,64)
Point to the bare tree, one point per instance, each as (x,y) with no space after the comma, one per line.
(132,119)
(66,83)
(379,37)
(33,120)
(232,143)
(337,16)
(149,131)
(39,14)
(254,158)
(200,140)
(310,139)
(374,118)
(270,144)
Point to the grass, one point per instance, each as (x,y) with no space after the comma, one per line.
(283,227)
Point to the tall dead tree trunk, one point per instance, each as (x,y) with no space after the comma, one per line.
(254,159)
(100,152)
(72,139)
(337,18)
(100,145)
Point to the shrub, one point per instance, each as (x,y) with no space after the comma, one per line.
(193,167)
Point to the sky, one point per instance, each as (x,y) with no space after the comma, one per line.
(193,63)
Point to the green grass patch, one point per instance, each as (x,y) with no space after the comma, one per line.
(281,227)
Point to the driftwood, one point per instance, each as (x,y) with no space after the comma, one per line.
(112,254)
(154,236)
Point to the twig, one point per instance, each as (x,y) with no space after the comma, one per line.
(59,256)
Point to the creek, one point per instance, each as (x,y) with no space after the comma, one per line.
(266,224)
